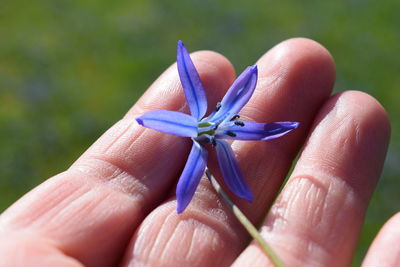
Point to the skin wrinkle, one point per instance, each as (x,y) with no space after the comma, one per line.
(197,219)
(193,234)
(305,190)
(205,195)
(162,238)
(113,173)
(122,181)
(62,214)
(101,209)
(88,203)
(22,247)
(165,143)
(116,177)
(192,245)
(144,242)
(139,136)
(272,80)
(168,248)
(180,236)
(118,137)
(295,183)
(316,213)
(191,226)
(59,198)
(215,222)
(130,129)
(337,122)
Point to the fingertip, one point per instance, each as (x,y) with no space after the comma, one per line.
(304,57)
(367,111)
(373,110)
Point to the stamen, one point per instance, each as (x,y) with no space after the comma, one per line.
(239,123)
(235,117)
(230,133)
(218,106)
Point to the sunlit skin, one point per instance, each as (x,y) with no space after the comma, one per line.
(116,203)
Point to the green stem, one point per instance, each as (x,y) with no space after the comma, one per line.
(246,223)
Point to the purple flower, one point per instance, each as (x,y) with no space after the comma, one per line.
(221,124)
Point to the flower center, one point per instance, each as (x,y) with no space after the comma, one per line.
(206,128)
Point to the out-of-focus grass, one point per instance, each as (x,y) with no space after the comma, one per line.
(69,69)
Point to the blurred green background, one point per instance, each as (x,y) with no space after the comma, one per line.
(70,69)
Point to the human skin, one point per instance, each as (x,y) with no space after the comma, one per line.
(116,204)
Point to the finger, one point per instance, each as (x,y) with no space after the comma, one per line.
(320,211)
(91,210)
(295,77)
(385,250)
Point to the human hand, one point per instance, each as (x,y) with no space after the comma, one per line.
(116,203)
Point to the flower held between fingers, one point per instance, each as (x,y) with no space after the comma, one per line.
(221,124)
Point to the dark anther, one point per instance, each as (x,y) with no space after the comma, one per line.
(239,123)
(218,106)
(231,133)
(235,117)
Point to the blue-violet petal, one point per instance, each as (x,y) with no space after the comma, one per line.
(238,95)
(231,172)
(259,131)
(191,175)
(171,122)
(192,86)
